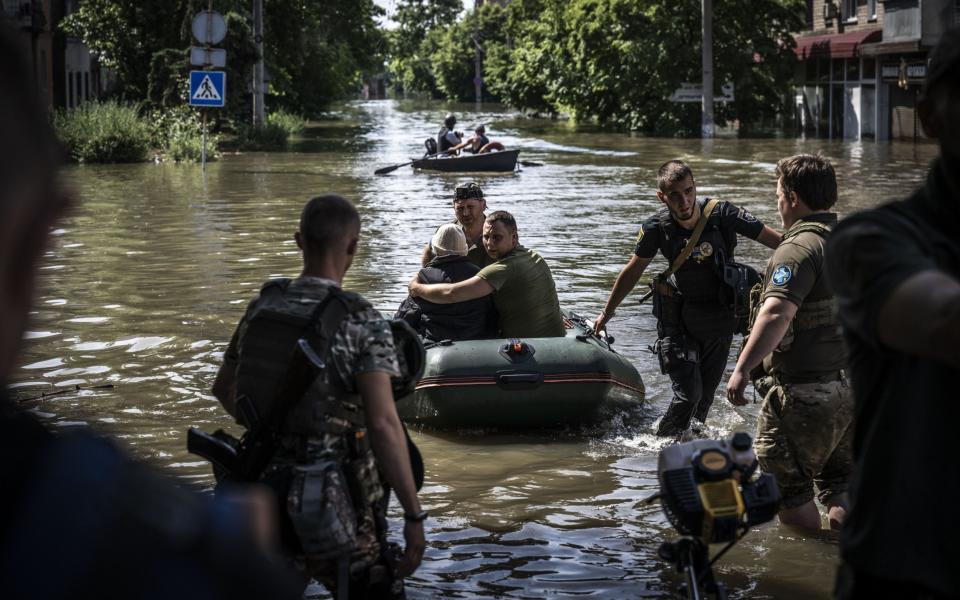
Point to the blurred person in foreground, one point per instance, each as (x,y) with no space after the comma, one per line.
(896,273)
(795,354)
(79,518)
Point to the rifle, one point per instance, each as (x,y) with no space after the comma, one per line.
(246,458)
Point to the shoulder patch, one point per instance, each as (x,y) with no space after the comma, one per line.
(746,216)
(781,275)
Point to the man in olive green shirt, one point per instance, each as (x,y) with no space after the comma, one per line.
(520,282)
(805,427)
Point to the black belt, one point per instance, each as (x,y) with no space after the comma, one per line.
(795,379)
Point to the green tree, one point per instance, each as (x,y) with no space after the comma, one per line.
(412,47)
(618,61)
(453,64)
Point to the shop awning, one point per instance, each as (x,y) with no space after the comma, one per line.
(836,45)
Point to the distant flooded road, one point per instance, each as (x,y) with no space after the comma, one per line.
(145,282)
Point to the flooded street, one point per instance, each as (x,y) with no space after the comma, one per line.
(147,279)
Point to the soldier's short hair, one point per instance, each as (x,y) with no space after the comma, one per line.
(671,172)
(811,177)
(504,217)
(327,220)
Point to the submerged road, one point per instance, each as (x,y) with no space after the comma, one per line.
(147,279)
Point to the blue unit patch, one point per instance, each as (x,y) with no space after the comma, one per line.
(781,275)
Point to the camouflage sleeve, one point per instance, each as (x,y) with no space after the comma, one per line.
(367,342)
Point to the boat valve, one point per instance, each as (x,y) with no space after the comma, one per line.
(516,350)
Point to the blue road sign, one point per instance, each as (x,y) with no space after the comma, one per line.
(208,88)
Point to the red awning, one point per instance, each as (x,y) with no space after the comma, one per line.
(836,45)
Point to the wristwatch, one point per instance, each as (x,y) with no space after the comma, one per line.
(420,517)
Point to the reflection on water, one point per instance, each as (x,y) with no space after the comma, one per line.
(145,282)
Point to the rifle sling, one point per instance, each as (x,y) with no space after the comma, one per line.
(693,241)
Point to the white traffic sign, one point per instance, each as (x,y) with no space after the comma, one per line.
(208,88)
(693,92)
(202,57)
(209,27)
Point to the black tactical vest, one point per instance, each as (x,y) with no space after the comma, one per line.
(706,310)
(443,144)
(275,323)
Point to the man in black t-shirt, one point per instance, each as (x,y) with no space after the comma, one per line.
(695,317)
(896,273)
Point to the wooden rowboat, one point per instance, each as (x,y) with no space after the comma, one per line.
(490,162)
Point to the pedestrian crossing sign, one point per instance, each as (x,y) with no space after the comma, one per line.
(208,88)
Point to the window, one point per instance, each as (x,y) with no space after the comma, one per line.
(853,69)
(70,103)
(869,69)
(849,12)
(872,10)
(79,89)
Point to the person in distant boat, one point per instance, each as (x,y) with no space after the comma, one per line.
(449,140)
(470,320)
(695,315)
(479,143)
(519,281)
(469,208)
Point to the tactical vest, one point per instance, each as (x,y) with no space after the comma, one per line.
(443,144)
(275,323)
(811,315)
(706,308)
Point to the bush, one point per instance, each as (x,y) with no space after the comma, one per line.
(280,126)
(177,133)
(104,132)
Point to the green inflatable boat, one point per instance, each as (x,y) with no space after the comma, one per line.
(525,383)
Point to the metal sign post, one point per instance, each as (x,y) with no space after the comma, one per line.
(207,88)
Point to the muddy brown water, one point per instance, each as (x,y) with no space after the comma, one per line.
(146,280)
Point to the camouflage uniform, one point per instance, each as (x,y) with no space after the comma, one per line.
(363,344)
(805,432)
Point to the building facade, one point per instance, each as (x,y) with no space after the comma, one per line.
(862,65)
(66,73)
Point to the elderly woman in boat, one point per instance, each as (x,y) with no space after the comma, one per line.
(520,283)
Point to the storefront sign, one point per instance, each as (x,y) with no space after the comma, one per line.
(914,71)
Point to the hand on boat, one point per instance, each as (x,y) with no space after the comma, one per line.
(735,388)
(600,323)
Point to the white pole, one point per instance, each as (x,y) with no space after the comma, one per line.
(259,111)
(477,75)
(707,79)
(203,141)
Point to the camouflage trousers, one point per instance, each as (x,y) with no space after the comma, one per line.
(805,437)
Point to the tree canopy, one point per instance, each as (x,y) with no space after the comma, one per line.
(315,50)
(614,61)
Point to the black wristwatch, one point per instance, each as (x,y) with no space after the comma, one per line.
(420,517)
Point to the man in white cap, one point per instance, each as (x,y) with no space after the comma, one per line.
(473,319)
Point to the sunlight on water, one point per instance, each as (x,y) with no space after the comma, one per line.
(142,290)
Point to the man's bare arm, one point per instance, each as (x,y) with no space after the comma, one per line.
(922,317)
(770,237)
(449,293)
(626,280)
(770,327)
(390,448)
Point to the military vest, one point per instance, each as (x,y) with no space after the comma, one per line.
(276,321)
(815,313)
(705,311)
(443,144)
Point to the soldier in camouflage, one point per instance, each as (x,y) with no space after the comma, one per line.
(805,427)
(337,416)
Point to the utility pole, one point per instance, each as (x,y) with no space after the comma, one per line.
(259,111)
(477,71)
(707,79)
